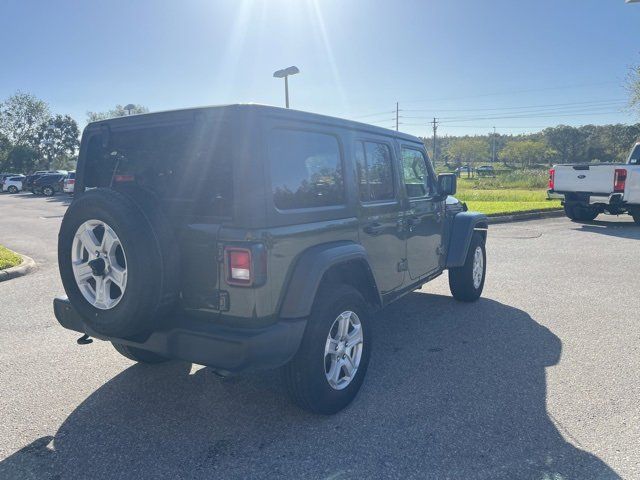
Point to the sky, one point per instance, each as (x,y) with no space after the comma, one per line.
(517,65)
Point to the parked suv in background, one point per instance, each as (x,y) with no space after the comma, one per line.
(28,181)
(69,182)
(11,184)
(297,228)
(48,184)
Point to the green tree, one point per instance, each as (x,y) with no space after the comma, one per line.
(5,148)
(20,116)
(526,152)
(118,111)
(570,143)
(57,138)
(468,150)
(22,159)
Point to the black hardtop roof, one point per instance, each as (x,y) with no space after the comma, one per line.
(266,110)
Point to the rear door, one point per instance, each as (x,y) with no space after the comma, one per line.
(380,229)
(423,218)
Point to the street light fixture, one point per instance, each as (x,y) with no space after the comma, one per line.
(284,73)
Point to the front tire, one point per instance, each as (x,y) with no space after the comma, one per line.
(137,354)
(12,189)
(48,191)
(467,282)
(327,372)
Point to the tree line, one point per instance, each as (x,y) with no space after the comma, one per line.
(560,144)
(32,138)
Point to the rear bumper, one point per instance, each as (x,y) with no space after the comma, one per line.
(227,349)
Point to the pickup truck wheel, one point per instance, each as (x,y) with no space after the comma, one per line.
(466,282)
(326,373)
(636,216)
(48,191)
(138,354)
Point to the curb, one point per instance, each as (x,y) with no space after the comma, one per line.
(27,265)
(519,217)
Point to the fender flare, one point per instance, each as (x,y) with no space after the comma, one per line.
(462,227)
(303,282)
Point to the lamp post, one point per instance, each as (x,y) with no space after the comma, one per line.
(284,73)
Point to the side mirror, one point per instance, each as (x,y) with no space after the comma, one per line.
(447,184)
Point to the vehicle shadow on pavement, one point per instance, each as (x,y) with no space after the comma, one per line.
(59,198)
(453,391)
(614,229)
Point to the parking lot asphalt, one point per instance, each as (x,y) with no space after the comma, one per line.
(540,379)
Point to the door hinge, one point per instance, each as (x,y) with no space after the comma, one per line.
(403,265)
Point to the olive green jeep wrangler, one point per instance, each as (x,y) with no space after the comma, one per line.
(244,236)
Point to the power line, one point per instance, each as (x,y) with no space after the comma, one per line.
(545,115)
(523,107)
(516,92)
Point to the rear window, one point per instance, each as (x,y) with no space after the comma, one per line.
(186,165)
(634,159)
(306,169)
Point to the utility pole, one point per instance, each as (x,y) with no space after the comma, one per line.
(435,131)
(493,154)
(397,116)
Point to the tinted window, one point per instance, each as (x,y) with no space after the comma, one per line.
(416,174)
(306,169)
(189,166)
(634,159)
(375,173)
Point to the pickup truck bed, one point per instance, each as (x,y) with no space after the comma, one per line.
(591,189)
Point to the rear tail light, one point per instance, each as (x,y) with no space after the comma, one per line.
(238,263)
(552,175)
(619,180)
(71,181)
(123,178)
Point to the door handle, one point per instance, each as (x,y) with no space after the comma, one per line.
(373,229)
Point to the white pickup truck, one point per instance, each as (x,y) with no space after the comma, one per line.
(589,189)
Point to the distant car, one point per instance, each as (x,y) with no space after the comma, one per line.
(12,184)
(486,171)
(69,182)
(6,175)
(464,169)
(28,181)
(48,184)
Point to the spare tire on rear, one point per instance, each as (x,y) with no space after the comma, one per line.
(116,262)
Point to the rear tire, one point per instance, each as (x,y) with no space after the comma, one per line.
(467,282)
(12,189)
(307,375)
(636,216)
(580,213)
(138,355)
(48,191)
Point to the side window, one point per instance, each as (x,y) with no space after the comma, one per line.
(634,159)
(306,169)
(375,173)
(417,179)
